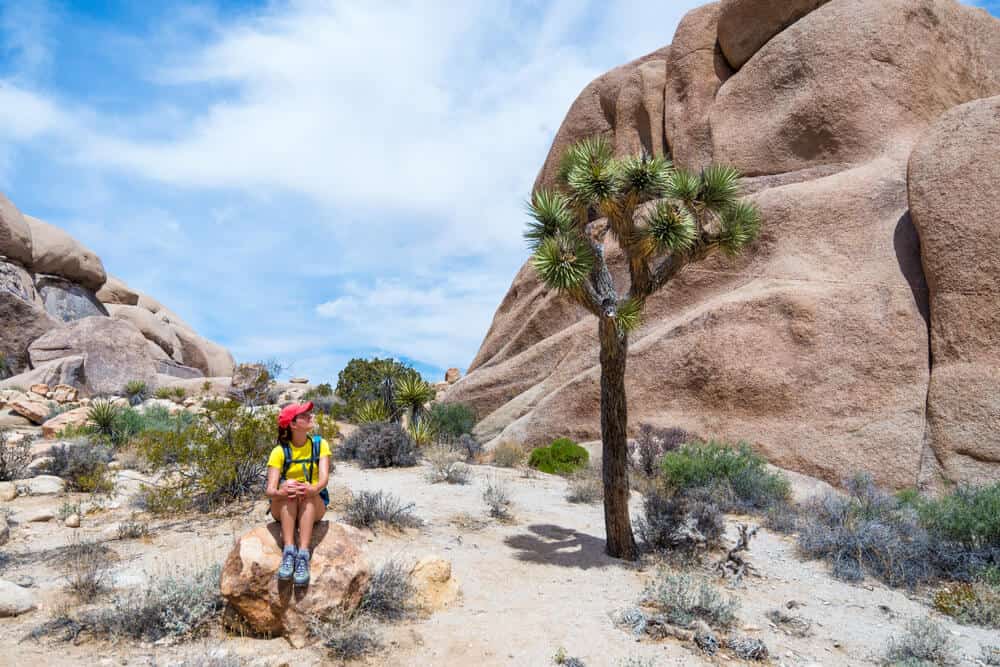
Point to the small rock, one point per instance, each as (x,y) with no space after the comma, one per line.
(15,600)
(8,491)
(299,381)
(24,580)
(36,411)
(751,628)
(40,389)
(72,521)
(39,515)
(64,393)
(434,586)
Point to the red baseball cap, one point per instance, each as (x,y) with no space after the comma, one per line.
(290,412)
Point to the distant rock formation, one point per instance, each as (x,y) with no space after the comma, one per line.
(861,332)
(63,319)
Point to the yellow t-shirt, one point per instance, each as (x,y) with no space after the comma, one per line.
(297,471)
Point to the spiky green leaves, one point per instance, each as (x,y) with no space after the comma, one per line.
(720,187)
(563,261)
(683,187)
(628,315)
(550,214)
(591,151)
(644,177)
(671,227)
(740,226)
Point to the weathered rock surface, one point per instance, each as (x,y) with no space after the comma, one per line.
(42,485)
(814,347)
(65,371)
(67,301)
(57,253)
(15,600)
(22,315)
(955,202)
(339,576)
(198,352)
(8,491)
(154,329)
(74,417)
(114,352)
(15,237)
(34,409)
(114,291)
(434,587)
(747,25)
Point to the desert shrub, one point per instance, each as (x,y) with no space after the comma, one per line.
(389,593)
(253,383)
(451,420)
(678,522)
(371,412)
(652,443)
(88,570)
(446,465)
(326,428)
(977,603)
(103,416)
(468,444)
(421,432)
(585,486)
(164,393)
(748,648)
(68,509)
(83,464)
(925,642)
(346,638)
(637,662)
(562,457)
(132,529)
(136,391)
(562,658)
(365,380)
(14,456)
(219,458)
(379,445)
(55,409)
(497,498)
(872,532)
(732,477)
(990,655)
(368,509)
(509,455)
(159,418)
(968,515)
(171,605)
(683,598)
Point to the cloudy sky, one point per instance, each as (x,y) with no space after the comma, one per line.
(306,181)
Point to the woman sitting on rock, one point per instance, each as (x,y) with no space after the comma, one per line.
(297,473)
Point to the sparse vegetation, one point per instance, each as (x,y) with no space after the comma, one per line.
(561,658)
(103,415)
(389,593)
(925,643)
(347,638)
(136,391)
(15,456)
(497,498)
(88,570)
(446,465)
(68,509)
(164,393)
(253,383)
(682,598)
(677,522)
(652,443)
(562,457)
(990,655)
(411,394)
(369,509)
(509,455)
(585,486)
(452,420)
(422,433)
(379,445)
(132,529)
(83,464)
(734,478)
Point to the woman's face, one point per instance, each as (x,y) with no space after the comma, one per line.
(303,422)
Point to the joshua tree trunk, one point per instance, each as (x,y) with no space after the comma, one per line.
(614,420)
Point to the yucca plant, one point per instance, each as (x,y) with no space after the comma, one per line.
(104,416)
(371,412)
(663,218)
(412,393)
(422,432)
(386,370)
(137,391)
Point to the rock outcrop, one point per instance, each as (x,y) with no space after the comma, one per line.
(814,346)
(339,575)
(49,282)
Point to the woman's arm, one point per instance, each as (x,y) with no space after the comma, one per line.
(273,490)
(324,476)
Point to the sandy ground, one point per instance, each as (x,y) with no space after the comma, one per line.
(528,587)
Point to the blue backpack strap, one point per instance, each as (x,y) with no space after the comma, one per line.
(287,462)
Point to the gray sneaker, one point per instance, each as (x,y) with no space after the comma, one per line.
(287,563)
(302,567)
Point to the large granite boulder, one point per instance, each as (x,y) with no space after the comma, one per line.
(57,253)
(814,346)
(67,301)
(15,237)
(747,25)
(117,292)
(153,328)
(62,371)
(114,352)
(339,575)
(955,202)
(22,316)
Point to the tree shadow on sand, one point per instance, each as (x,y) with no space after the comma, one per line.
(554,545)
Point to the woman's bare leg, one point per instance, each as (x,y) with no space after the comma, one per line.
(312,511)
(285,512)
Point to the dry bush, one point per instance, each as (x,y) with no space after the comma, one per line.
(369,509)
(682,599)
(585,486)
(446,465)
(132,529)
(389,593)
(509,455)
(497,498)
(925,643)
(88,570)
(83,464)
(678,523)
(14,456)
(652,443)
(379,445)
(347,638)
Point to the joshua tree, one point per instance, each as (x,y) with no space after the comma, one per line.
(663,218)
(412,393)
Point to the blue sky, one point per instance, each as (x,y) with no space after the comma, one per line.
(303,180)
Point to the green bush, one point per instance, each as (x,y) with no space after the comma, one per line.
(83,464)
(731,477)
(364,380)
(682,599)
(925,643)
(379,445)
(452,419)
(219,458)
(968,515)
(136,391)
(562,457)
